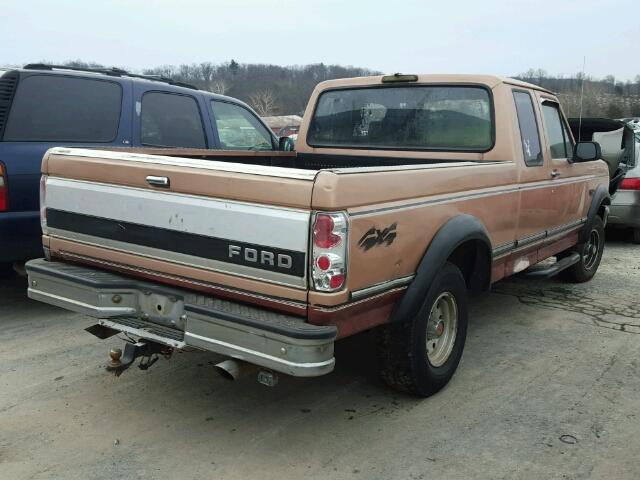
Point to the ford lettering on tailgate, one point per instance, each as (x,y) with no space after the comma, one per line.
(230,251)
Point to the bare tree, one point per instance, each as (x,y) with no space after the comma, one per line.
(264,102)
(218,86)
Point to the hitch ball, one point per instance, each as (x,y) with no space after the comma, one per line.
(115,354)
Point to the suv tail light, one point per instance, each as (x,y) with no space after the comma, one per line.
(43,202)
(630,184)
(4,190)
(329,251)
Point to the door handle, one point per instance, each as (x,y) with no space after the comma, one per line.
(555,173)
(158,181)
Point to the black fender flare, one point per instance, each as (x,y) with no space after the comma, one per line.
(452,234)
(600,197)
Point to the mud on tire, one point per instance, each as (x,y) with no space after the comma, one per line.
(408,362)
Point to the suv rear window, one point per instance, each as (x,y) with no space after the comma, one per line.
(64,109)
(418,117)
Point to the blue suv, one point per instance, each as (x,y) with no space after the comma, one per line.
(43,106)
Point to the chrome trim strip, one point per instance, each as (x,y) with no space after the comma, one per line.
(290,303)
(381,287)
(214,165)
(568,226)
(238,348)
(530,239)
(526,242)
(342,306)
(503,249)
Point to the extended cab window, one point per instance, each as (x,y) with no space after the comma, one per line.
(560,143)
(239,129)
(419,117)
(528,129)
(64,109)
(171,120)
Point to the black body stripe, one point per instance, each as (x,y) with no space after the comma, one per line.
(173,241)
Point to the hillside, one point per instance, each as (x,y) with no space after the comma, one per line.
(602,98)
(285,90)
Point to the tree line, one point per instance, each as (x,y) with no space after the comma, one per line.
(269,89)
(285,90)
(607,97)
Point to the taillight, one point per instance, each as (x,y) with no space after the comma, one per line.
(329,245)
(4,191)
(630,184)
(43,203)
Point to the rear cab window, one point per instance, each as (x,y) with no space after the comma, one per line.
(239,129)
(420,117)
(57,108)
(171,120)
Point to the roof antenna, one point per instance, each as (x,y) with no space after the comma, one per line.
(584,62)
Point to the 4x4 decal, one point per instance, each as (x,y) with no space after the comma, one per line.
(374,237)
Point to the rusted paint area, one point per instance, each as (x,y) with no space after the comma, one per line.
(276,304)
(358,316)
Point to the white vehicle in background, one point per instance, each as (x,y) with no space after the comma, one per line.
(625,204)
(620,144)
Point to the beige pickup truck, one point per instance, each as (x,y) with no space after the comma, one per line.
(406,192)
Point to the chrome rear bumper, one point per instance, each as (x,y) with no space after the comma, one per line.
(180,318)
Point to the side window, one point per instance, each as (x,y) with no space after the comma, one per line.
(560,142)
(64,109)
(528,129)
(171,120)
(239,129)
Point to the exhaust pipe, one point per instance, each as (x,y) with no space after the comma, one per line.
(235,369)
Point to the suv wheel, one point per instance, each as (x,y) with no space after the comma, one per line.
(590,255)
(420,357)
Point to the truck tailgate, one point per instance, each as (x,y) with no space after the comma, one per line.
(224,224)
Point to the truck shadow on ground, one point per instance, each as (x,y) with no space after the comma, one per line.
(186,397)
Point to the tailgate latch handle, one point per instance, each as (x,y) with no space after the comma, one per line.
(158,181)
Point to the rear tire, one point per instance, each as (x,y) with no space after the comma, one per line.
(421,356)
(590,255)
(635,235)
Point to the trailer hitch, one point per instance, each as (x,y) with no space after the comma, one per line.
(148,351)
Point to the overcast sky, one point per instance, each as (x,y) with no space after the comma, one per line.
(456,36)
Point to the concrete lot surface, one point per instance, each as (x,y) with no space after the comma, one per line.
(548,388)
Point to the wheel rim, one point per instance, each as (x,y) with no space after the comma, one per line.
(442,328)
(590,253)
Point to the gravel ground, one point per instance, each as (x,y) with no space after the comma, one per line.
(548,387)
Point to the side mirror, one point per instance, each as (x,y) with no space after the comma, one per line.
(586,151)
(286,144)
